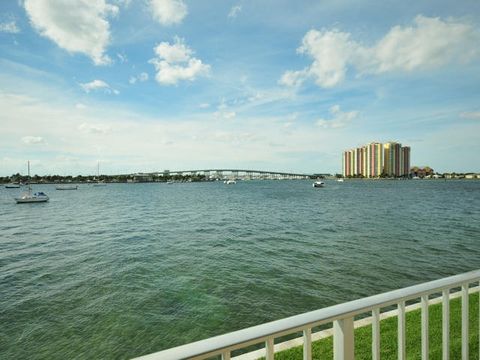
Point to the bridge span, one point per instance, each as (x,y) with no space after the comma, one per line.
(235,173)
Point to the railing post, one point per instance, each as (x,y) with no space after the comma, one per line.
(376,334)
(343,339)
(401,331)
(269,347)
(226,355)
(465,336)
(425,339)
(446,325)
(307,344)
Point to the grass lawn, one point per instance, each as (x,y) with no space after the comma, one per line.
(323,349)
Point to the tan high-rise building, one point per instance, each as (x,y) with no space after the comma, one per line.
(377,159)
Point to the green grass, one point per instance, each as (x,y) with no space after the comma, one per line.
(323,349)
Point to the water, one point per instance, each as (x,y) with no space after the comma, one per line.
(129,269)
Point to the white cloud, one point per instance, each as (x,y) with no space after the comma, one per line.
(80,106)
(204,105)
(33,140)
(470,115)
(293,78)
(225,114)
(98,85)
(140,77)
(338,118)
(77,26)
(234,11)
(122,57)
(429,43)
(143,76)
(9,27)
(94,128)
(174,63)
(168,12)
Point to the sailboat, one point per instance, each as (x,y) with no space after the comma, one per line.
(99,183)
(28,197)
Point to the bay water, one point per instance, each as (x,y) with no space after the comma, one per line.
(128,269)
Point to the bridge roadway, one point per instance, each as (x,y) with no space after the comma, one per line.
(236,172)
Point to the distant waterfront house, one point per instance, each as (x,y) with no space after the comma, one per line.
(421,172)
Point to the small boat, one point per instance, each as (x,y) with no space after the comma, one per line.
(170,182)
(318,184)
(28,197)
(340,180)
(230,182)
(66,187)
(12,186)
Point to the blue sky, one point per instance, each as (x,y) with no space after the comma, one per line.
(147,85)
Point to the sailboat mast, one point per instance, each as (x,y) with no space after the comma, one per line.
(28,179)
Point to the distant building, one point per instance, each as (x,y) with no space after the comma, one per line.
(376,160)
(426,171)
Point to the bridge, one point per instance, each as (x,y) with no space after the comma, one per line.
(233,174)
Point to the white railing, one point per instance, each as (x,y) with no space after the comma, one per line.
(342,316)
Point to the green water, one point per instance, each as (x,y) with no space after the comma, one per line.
(128,269)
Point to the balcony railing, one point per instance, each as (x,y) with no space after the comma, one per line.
(342,317)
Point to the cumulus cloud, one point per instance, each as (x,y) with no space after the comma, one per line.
(98,85)
(168,12)
(234,11)
(338,118)
(33,140)
(94,128)
(78,26)
(9,27)
(428,43)
(140,77)
(174,63)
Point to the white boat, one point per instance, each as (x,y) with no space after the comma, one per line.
(66,187)
(28,197)
(340,180)
(12,186)
(318,184)
(230,182)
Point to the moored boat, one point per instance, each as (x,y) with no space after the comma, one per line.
(318,184)
(66,187)
(12,186)
(28,197)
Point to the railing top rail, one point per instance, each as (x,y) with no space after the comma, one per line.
(328,314)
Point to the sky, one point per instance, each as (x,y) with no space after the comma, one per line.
(148,85)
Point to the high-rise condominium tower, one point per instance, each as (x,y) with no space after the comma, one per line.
(377,159)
